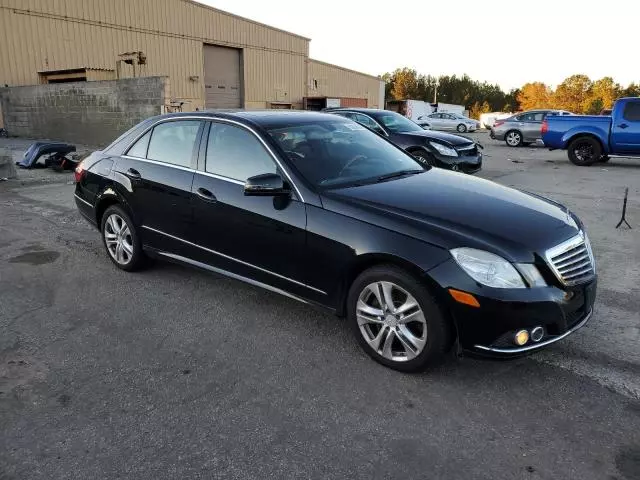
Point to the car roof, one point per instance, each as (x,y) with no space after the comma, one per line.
(262,118)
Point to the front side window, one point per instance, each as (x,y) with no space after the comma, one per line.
(632,112)
(173,142)
(331,154)
(236,153)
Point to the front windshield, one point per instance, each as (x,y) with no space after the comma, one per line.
(338,153)
(396,123)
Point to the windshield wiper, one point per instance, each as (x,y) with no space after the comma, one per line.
(401,173)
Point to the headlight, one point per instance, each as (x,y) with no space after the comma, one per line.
(590,251)
(487,268)
(443,149)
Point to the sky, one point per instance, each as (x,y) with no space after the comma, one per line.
(498,41)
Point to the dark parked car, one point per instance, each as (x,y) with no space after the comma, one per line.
(320,209)
(443,150)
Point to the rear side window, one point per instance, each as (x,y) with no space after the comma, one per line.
(236,153)
(174,142)
(632,112)
(139,149)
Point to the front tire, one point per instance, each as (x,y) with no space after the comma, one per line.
(462,128)
(424,157)
(513,138)
(395,319)
(121,240)
(584,151)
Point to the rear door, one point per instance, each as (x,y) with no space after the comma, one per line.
(156,173)
(262,238)
(625,128)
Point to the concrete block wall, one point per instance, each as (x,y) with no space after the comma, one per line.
(92,113)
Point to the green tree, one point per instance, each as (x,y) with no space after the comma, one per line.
(603,93)
(534,95)
(574,94)
(633,90)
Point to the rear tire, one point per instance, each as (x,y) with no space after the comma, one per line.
(407,333)
(121,240)
(584,151)
(513,138)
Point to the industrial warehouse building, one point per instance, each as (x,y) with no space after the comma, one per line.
(211,58)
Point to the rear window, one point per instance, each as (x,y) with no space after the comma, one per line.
(632,112)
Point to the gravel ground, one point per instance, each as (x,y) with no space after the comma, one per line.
(174,373)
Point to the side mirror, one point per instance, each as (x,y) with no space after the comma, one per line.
(266,185)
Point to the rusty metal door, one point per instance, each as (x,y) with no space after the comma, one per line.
(222,77)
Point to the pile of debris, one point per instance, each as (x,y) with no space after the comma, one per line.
(56,155)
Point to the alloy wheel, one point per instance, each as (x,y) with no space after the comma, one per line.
(391,321)
(118,238)
(513,139)
(584,152)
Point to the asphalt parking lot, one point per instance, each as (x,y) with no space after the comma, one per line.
(175,373)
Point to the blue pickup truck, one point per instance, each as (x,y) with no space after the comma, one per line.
(589,139)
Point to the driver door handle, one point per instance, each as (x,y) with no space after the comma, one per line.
(133,173)
(623,125)
(206,195)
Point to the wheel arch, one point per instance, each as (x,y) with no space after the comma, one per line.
(369,260)
(577,136)
(108,198)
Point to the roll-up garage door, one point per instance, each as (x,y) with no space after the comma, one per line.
(222,77)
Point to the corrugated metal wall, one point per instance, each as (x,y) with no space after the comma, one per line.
(326,80)
(65,34)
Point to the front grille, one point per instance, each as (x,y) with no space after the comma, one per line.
(572,261)
(471,150)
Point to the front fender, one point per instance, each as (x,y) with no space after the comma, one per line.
(601,135)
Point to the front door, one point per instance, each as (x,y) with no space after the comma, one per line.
(261,238)
(532,126)
(625,128)
(158,172)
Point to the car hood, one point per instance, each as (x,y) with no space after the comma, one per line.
(454,140)
(452,210)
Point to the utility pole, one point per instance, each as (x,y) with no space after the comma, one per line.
(435,92)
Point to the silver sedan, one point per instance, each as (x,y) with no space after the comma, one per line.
(449,121)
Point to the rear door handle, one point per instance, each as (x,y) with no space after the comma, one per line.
(206,195)
(133,173)
(623,125)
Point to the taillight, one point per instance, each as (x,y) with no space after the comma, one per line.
(498,123)
(79,172)
(545,127)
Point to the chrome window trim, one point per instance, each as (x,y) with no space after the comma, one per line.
(220,177)
(537,345)
(158,162)
(82,200)
(242,262)
(210,119)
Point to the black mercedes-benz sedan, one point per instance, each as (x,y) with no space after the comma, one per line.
(443,150)
(420,260)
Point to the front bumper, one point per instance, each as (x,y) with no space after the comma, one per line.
(489,329)
(463,163)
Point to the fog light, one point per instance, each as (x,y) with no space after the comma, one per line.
(521,337)
(537,334)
